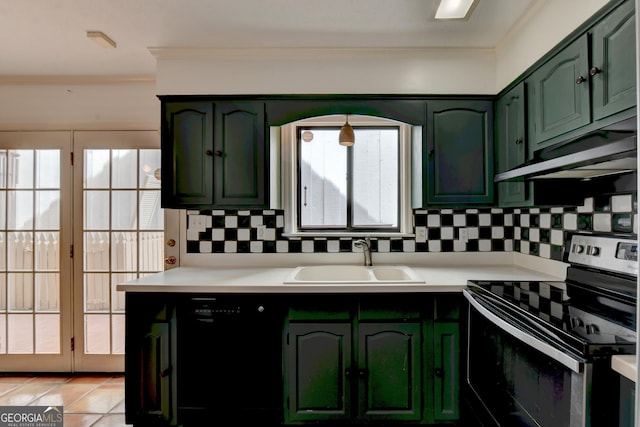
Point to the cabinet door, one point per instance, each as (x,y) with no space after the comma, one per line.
(156,370)
(318,367)
(613,68)
(446,371)
(187,148)
(240,151)
(459,155)
(149,360)
(389,371)
(559,94)
(511,143)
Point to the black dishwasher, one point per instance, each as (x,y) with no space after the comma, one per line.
(229,360)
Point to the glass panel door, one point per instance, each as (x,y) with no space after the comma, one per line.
(35,258)
(121,236)
(68,236)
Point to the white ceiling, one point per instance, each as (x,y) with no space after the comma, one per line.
(48,37)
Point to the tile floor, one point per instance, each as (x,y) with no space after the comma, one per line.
(88,400)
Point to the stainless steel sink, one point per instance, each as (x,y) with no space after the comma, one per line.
(352,274)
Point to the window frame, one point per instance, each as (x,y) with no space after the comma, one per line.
(289,174)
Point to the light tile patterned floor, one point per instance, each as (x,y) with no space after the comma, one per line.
(88,400)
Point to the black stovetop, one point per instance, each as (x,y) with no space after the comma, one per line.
(583,319)
(545,300)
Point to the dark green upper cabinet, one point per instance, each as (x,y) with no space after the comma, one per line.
(240,155)
(214,155)
(187,149)
(613,64)
(559,94)
(459,153)
(511,143)
(511,152)
(587,85)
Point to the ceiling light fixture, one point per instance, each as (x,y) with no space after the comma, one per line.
(346,137)
(101,38)
(455,9)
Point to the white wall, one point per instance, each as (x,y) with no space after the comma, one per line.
(326,71)
(122,105)
(361,71)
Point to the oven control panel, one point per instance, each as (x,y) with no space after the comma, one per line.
(604,252)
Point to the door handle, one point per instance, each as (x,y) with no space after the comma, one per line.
(361,372)
(164,372)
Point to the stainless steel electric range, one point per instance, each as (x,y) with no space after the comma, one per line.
(539,353)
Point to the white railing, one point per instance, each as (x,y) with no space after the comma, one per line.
(123,251)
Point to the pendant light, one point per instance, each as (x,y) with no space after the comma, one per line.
(346,138)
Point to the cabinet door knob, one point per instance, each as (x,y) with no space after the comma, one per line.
(580,80)
(518,141)
(595,70)
(170,260)
(218,153)
(209,153)
(438,372)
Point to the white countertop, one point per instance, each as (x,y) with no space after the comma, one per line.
(441,273)
(625,365)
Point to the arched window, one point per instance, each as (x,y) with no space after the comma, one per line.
(328,188)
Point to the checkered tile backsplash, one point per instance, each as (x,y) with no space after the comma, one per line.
(535,231)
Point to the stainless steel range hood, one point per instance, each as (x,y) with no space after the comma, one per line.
(598,154)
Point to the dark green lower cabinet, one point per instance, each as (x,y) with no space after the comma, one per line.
(372,366)
(149,371)
(627,402)
(327,382)
(446,352)
(362,360)
(318,371)
(389,371)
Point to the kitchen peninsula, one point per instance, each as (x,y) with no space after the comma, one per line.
(236,344)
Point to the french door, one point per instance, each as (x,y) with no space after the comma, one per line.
(79,213)
(35,240)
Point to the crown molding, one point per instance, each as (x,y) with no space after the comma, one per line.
(312,52)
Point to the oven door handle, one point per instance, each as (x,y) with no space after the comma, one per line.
(551,351)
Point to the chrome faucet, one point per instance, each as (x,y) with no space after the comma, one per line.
(366,250)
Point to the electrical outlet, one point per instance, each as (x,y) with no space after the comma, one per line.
(261,229)
(421,234)
(197,223)
(463,235)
